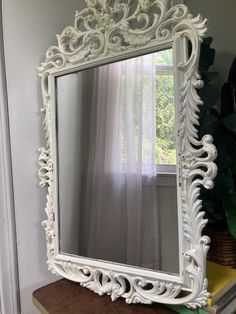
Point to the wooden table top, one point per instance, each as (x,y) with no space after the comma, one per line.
(67,297)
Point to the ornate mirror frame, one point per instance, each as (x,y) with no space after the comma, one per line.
(104,32)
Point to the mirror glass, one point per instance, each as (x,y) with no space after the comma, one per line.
(116,162)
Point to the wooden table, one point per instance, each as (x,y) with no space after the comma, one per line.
(67,297)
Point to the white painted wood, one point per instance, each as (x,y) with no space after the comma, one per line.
(98,46)
(9,289)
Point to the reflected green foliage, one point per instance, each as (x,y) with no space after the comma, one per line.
(165,152)
(164,57)
(165,120)
(165,110)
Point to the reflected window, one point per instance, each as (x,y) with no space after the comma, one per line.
(165,113)
(147,110)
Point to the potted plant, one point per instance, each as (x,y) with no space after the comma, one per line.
(220,203)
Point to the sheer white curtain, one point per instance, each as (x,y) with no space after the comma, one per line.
(120,195)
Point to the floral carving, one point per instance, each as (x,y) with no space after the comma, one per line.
(107,29)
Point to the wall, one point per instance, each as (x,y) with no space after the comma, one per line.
(221,18)
(9,301)
(29,28)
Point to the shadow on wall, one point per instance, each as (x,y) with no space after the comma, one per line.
(221,26)
(222,65)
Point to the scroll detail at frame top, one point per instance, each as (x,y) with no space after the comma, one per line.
(112,27)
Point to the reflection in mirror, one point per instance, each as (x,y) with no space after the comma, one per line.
(116,162)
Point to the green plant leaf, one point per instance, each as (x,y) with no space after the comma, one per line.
(226,149)
(227,99)
(209,124)
(210,95)
(209,76)
(207,55)
(230,123)
(234,170)
(219,203)
(213,209)
(226,189)
(208,40)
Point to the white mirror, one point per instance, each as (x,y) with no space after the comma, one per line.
(123,162)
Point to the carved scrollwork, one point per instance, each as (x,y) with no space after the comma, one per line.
(107,28)
(133,289)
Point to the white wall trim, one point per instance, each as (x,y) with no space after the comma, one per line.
(9,288)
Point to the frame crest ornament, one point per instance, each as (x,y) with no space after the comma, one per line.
(110,30)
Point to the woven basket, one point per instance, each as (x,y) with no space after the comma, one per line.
(222,248)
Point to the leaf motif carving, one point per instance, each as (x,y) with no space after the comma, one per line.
(103,30)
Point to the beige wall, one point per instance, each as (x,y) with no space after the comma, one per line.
(221,16)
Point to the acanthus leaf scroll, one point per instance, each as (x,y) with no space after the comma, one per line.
(109,29)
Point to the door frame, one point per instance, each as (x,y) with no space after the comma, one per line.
(9,285)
